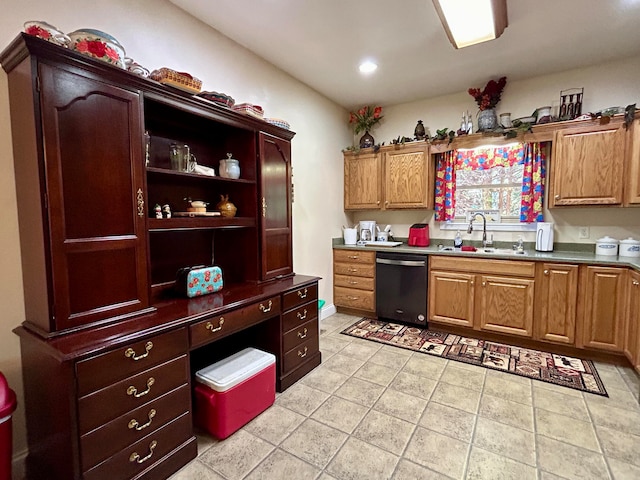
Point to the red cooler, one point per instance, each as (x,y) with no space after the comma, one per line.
(233,391)
(7,407)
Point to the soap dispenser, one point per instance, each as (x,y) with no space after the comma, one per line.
(457,242)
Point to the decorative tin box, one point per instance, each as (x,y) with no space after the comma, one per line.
(196,281)
(182,80)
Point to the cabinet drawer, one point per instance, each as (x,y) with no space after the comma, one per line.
(105,369)
(299,296)
(361,283)
(351,298)
(300,315)
(354,256)
(104,405)
(220,326)
(132,460)
(300,354)
(109,439)
(483,265)
(299,334)
(354,269)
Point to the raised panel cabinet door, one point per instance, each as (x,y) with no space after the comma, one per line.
(451,298)
(408,179)
(506,305)
(92,134)
(587,166)
(362,181)
(632,192)
(632,334)
(601,308)
(557,294)
(275,209)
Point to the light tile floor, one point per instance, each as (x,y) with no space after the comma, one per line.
(372,411)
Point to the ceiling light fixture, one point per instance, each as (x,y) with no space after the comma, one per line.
(468,22)
(368,67)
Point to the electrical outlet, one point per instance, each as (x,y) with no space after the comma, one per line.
(583,232)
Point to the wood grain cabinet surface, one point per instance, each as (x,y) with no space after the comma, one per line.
(556,302)
(632,185)
(354,280)
(632,328)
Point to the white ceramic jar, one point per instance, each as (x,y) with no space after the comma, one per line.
(629,247)
(607,246)
(229,167)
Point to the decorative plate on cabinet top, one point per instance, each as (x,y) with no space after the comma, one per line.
(216,97)
(97,44)
(47,32)
(181,80)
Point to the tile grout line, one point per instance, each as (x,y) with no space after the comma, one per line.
(465,473)
(595,432)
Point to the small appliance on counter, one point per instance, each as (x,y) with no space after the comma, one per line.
(419,235)
(544,237)
(367,230)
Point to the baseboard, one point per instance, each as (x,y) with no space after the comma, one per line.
(18,470)
(327,311)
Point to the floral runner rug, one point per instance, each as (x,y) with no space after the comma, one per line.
(547,367)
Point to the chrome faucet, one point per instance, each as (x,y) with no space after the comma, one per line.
(484,227)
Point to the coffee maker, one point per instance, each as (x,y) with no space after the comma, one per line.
(367,230)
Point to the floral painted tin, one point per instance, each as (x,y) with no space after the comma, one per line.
(197,281)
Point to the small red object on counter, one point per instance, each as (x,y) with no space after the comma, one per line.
(468,248)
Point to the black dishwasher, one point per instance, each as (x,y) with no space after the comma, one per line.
(401,287)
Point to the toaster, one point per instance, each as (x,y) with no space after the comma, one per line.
(419,235)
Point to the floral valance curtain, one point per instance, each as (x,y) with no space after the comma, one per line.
(531,155)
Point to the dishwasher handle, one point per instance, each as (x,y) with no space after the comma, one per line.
(404,263)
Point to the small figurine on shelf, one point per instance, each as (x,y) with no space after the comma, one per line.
(166,211)
(419,131)
(158,211)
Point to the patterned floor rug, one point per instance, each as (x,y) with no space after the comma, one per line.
(547,367)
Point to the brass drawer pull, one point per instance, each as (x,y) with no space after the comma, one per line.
(351,297)
(546,272)
(636,283)
(352,282)
(264,309)
(354,257)
(303,335)
(133,423)
(209,326)
(353,270)
(302,354)
(135,457)
(301,294)
(302,316)
(131,353)
(134,391)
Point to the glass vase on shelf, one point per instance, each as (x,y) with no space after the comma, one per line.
(487,120)
(367,140)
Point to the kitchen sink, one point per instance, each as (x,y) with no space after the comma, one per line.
(490,250)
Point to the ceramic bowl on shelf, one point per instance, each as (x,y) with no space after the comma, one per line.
(135,68)
(47,32)
(219,98)
(97,44)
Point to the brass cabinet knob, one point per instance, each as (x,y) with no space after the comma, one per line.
(557,197)
(546,272)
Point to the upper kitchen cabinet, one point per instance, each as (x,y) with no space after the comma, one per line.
(632,193)
(588,164)
(80,189)
(397,177)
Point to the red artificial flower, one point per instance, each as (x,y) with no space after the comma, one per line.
(365,118)
(376,112)
(490,96)
(37,31)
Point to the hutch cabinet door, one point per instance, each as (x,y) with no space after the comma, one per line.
(275,218)
(92,139)
(408,180)
(587,166)
(362,181)
(557,294)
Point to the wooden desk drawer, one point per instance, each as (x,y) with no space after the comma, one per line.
(299,296)
(105,369)
(300,315)
(299,354)
(354,256)
(354,269)
(127,429)
(361,283)
(352,298)
(220,326)
(102,406)
(132,460)
(299,334)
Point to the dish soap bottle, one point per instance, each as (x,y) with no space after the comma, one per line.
(457,242)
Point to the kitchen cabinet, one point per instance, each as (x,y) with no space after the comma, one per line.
(556,302)
(632,328)
(354,280)
(588,164)
(601,308)
(632,192)
(495,296)
(396,177)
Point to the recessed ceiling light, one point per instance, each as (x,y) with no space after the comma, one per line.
(367,67)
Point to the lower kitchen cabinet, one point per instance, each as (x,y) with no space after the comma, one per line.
(506,305)
(451,298)
(556,300)
(354,280)
(601,308)
(632,331)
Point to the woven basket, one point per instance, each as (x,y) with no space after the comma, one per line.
(180,80)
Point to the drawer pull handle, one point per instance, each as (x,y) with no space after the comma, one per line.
(353,270)
(351,297)
(546,272)
(353,257)
(131,353)
(302,354)
(302,294)
(352,282)
(134,391)
(303,335)
(302,316)
(133,423)
(209,326)
(264,309)
(135,457)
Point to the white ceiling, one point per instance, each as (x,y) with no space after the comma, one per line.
(322,42)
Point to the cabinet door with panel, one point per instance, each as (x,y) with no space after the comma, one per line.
(408,178)
(556,298)
(587,165)
(601,308)
(632,331)
(362,181)
(632,192)
(451,298)
(506,305)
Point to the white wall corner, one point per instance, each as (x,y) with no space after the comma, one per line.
(327,311)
